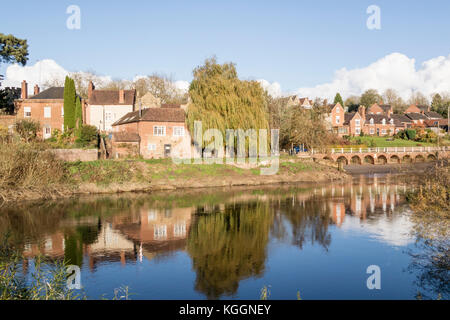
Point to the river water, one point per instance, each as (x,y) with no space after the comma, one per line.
(315,240)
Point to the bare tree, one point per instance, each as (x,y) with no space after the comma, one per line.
(391,97)
(418,98)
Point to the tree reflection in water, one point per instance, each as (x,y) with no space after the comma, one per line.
(227,247)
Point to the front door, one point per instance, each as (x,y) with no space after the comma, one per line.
(47,132)
(167,149)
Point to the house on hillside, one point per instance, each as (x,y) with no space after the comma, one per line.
(417,109)
(301,102)
(155,132)
(104,107)
(47,107)
(384,109)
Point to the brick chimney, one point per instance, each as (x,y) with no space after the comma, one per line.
(91,88)
(36,90)
(362,112)
(121,96)
(24,92)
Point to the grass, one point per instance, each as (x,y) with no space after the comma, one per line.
(382,142)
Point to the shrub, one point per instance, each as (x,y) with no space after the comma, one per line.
(88,135)
(27,129)
(411,134)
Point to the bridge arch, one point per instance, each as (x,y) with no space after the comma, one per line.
(356,160)
(343,159)
(381,159)
(369,159)
(394,159)
(431,157)
(419,158)
(407,159)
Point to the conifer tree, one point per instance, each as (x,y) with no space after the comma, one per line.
(69,104)
(78,114)
(338,98)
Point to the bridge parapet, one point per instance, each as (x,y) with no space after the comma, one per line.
(382,155)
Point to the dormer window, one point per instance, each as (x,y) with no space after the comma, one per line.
(371,121)
(338,110)
(392,121)
(383,121)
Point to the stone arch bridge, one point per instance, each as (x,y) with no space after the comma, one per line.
(389,155)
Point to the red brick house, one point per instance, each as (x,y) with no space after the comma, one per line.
(417,109)
(157,133)
(384,109)
(47,107)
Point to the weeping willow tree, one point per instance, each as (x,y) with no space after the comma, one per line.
(228,247)
(220,100)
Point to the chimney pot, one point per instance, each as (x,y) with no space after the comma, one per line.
(37,90)
(24,92)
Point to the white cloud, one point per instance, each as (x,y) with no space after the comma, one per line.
(182,86)
(395,71)
(274,88)
(39,73)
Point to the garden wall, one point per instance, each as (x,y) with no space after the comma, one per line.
(76,154)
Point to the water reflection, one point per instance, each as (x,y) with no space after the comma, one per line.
(226,233)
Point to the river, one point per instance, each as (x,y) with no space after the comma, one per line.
(315,240)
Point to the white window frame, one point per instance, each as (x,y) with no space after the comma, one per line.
(159,131)
(358,122)
(383,131)
(358,130)
(27,112)
(151,147)
(108,116)
(372,131)
(371,121)
(47,112)
(178,133)
(338,119)
(160,232)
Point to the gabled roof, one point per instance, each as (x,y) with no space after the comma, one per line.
(153,114)
(50,93)
(111,97)
(349,116)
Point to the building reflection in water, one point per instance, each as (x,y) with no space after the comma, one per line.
(226,241)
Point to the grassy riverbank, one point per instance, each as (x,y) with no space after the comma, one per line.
(28,173)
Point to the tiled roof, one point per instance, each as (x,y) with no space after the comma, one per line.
(348,117)
(50,93)
(401,118)
(385,107)
(167,105)
(111,97)
(416,116)
(126,137)
(154,114)
(432,115)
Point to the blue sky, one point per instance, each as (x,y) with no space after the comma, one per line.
(295,43)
